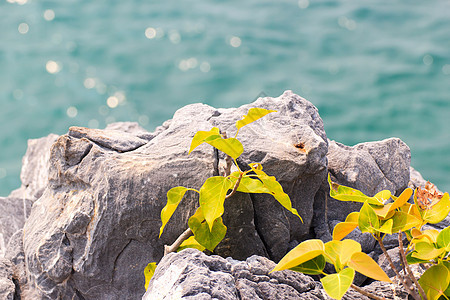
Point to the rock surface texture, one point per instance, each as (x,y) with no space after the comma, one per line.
(96,197)
(190,274)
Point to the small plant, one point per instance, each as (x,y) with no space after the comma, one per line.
(205,228)
(380,215)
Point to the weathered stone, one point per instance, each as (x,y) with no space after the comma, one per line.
(7,286)
(15,254)
(191,274)
(12,218)
(369,167)
(96,226)
(291,145)
(34,173)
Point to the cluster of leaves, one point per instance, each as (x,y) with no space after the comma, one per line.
(206,224)
(380,215)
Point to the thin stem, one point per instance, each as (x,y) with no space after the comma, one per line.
(366,293)
(380,242)
(408,269)
(172,248)
(235,186)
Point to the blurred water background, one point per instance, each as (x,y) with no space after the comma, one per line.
(375,69)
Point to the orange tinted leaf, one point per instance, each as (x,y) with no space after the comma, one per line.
(365,265)
(341,230)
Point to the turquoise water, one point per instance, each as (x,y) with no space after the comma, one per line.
(374,69)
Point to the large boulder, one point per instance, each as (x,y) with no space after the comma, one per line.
(96,225)
(369,167)
(190,274)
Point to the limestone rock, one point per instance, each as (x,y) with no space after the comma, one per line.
(7,286)
(34,173)
(369,167)
(96,226)
(291,145)
(12,218)
(190,274)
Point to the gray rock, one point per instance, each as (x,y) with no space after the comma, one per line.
(380,289)
(34,173)
(191,274)
(369,167)
(12,218)
(415,179)
(16,256)
(291,145)
(7,286)
(96,226)
(383,262)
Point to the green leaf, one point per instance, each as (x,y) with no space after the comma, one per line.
(275,189)
(435,281)
(404,221)
(200,137)
(251,185)
(253,114)
(383,196)
(443,239)
(338,253)
(148,273)
(426,251)
(386,227)
(190,242)
(365,265)
(212,197)
(174,196)
(437,212)
(311,267)
(413,260)
(336,285)
(305,251)
(368,220)
(203,235)
(341,230)
(345,193)
(230,146)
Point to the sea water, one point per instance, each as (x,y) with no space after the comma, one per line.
(375,69)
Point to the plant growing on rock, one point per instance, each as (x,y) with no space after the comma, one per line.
(381,215)
(206,228)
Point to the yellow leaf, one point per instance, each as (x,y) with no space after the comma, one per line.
(427,251)
(174,196)
(365,265)
(336,285)
(339,252)
(303,252)
(190,242)
(352,217)
(274,188)
(148,273)
(341,230)
(402,199)
(212,197)
(200,137)
(253,114)
(230,146)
